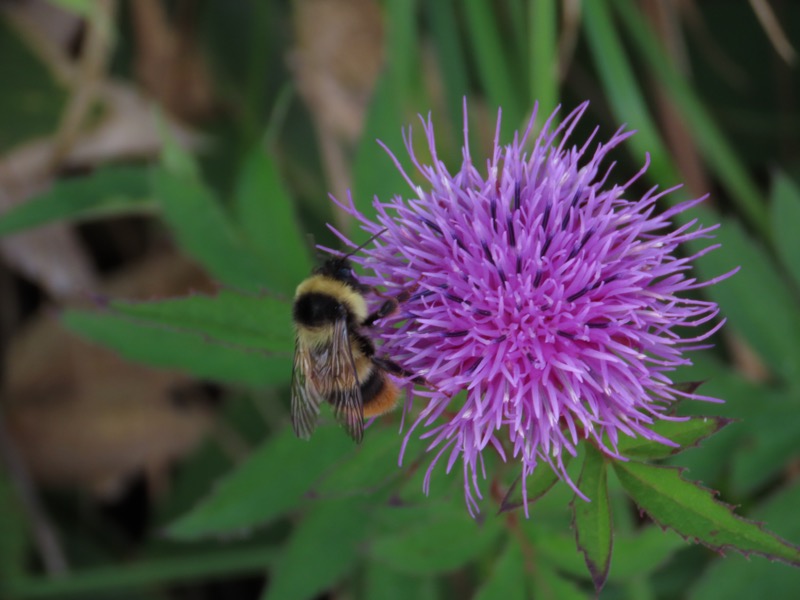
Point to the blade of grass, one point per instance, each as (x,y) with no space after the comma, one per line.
(543,56)
(515,15)
(626,99)
(493,68)
(716,150)
(402,42)
(450,54)
(629,106)
(147,573)
(374,174)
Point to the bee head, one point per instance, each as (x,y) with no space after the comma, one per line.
(340,269)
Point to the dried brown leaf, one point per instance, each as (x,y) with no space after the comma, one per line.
(81,416)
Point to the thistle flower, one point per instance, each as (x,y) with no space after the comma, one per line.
(544,303)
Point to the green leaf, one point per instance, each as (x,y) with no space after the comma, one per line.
(635,555)
(175,159)
(204,231)
(113,580)
(767,445)
(642,553)
(190,352)
(692,511)
(451,541)
(196,474)
(717,151)
(374,172)
(686,434)
(737,577)
(82,8)
(271,483)
(403,44)
(592,520)
(549,584)
(756,300)
(372,465)
(494,69)
(623,92)
(387,584)
(507,577)
(320,552)
(785,200)
(32,100)
(14,539)
(243,321)
(712,461)
(106,191)
(543,56)
(265,214)
(450,56)
(537,485)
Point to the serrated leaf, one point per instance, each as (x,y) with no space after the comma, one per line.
(106,191)
(190,352)
(785,199)
(450,542)
(265,215)
(686,434)
(271,483)
(506,579)
(756,300)
(692,511)
(736,577)
(635,555)
(321,550)
(205,232)
(712,460)
(592,520)
(241,320)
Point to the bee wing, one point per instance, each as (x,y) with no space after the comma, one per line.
(306,398)
(348,406)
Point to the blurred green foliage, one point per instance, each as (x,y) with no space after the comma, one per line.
(325,517)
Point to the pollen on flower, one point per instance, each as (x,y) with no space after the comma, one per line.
(545,293)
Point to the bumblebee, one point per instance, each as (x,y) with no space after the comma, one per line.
(333,359)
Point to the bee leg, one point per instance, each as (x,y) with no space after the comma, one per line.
(392,367)
(401,297)
(387,308)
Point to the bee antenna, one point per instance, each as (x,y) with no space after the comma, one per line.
(365,244)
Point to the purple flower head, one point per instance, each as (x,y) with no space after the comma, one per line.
(544,300)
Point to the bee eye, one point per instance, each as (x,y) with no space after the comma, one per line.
(345,273)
